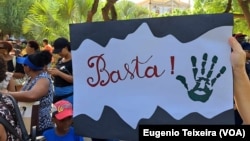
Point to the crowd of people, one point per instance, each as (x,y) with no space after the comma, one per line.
(40,82)
(53,86)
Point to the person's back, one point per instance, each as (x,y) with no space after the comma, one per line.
(62,116)
(48,47)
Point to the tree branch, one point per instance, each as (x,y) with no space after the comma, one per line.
(229,6)
(92,12)
(245,8)
(105,10)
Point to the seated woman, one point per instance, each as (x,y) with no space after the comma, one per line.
(39,87)
(9,82)
(6,112)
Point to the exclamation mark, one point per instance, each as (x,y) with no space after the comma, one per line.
(172,64)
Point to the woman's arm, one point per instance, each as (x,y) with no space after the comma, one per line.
(39,90)
(66,77)
(12,85)
(56,72)
(3,134)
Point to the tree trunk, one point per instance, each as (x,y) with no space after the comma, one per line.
(93,11)
(105,10)
(113,13)
(229,6)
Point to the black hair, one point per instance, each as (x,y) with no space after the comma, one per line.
(69,47)
(62,42)
(24,42)
(7,46)
(40,59)
(46,41)
(34,44)
(3,68)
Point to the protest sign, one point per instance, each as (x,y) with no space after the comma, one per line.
(168,70)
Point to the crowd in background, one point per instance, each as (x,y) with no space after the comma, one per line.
(43,72)
(37,71)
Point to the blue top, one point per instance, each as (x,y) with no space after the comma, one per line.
(50,135)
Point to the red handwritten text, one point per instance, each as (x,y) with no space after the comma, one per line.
(132,70)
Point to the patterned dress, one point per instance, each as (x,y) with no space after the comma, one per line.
(7,112)
(44,118)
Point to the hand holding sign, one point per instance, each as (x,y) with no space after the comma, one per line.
(202,92)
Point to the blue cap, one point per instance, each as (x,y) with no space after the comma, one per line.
(26,61)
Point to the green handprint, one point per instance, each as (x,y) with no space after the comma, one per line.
(202,92)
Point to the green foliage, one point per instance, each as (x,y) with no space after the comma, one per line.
(98,15)
(51,19)
(213,7)
(209,6)
(219,6)
(83,6)
(12,13)
(42,20)
(129,10)
(38,19)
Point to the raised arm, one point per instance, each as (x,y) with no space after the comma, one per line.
(241,81)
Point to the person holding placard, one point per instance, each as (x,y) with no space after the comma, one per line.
(241,81)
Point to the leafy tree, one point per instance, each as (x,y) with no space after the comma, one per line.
(108,10)
(12,13)
(240,9)
(129,10)
(41,20)
(116,10)
(51,19)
